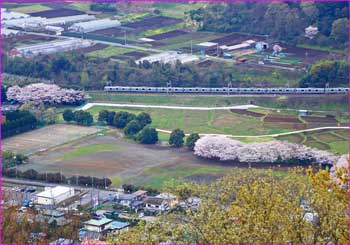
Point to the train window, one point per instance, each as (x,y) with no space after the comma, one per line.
(251,90)
(149,89)
(163,89)
(273,90)
(339,89)
(332,89)
(143,88)
(217,89)
(302,90)
(310,90)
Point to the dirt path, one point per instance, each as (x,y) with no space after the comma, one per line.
(90,105)
(264,135)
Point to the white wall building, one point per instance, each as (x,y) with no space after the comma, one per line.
(94,25)
(168,57)
(68,19)
(55,195)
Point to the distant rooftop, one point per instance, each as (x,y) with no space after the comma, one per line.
(98,222)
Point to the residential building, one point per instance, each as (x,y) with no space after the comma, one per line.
(156,205)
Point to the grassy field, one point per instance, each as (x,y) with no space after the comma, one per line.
(191,121)
(89,149)
(330,140)
(322,48)
(157,176)
(109,52)
(82,6)
(31,8)
(317,102)
(176,10)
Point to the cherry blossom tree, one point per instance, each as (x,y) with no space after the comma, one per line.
(44,93)
(224,148)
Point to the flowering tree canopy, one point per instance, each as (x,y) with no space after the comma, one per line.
(224,148)
(44,93)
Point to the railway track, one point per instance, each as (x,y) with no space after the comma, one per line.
(225,91)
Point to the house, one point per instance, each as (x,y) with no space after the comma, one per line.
(53,215)
(99,226)
(140,194)
(62,241)
(137,205)
(156,205)
(125,199)
(170,198)
(118,227)
(191,202)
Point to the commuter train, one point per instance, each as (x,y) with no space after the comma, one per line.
(226,90)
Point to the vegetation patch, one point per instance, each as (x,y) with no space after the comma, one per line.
(31,8)
(90,149)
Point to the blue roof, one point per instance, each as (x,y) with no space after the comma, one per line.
(119,225)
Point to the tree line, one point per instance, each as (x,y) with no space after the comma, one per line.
(17,122)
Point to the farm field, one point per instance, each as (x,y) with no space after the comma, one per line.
(31,8)
(176,9)
(191,121)
(242,122)
(46,137)
(310,102)
(147,165)
(330,140)
(61,12)
(108,52)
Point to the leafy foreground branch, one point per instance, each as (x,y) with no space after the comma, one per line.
(253,208)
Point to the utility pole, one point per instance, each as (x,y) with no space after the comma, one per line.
(217,49)
(125,38)
(191,48)
(229,85)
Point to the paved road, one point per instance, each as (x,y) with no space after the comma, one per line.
(90,105)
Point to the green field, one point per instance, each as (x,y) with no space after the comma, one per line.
(329,140)
(109,52)
(176,10)
(319,102)
(89,149)
(155,177)
(191,121)
(31,8)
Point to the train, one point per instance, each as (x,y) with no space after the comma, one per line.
(227,90)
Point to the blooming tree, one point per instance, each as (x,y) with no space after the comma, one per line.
(44,93)
(224,148)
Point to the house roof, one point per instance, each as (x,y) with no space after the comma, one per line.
(166,196)
(98,222)
(55,191)
(119,225)
(139,193)
(154,200)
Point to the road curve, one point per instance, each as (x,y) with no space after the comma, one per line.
(264,135)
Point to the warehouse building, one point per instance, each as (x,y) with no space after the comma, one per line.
(94,25)
(50,47)
(54,195)
(168,57)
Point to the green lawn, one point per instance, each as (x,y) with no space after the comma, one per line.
(322,48)
(82,6)
(319,103)
(31,8)
(192,121)
(109,52)
(155,177)
(89,149)
(176,10)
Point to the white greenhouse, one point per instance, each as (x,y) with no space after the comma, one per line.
(94,25)
(54,195)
